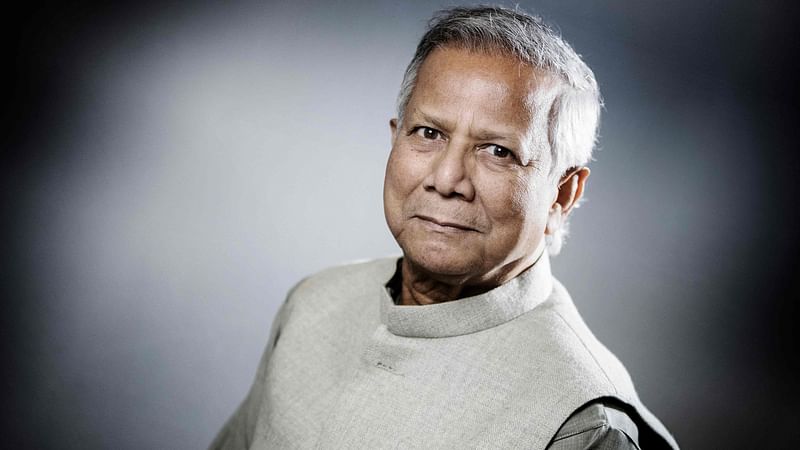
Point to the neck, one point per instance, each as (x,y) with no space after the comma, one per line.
(418,289)
(422,288)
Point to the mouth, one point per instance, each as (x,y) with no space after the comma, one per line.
(444,225)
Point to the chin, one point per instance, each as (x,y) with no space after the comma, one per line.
(444,262)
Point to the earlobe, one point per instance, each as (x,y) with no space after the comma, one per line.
(554,219)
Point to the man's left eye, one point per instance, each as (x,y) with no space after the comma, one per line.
(498,151)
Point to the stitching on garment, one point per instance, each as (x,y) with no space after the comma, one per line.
(586,347)
(599,425)
(385,367)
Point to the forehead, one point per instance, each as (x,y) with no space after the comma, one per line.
(492,88)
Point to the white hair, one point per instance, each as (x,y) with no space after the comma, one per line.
(575,112)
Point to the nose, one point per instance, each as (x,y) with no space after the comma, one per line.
(450,173)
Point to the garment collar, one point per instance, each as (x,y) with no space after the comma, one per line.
(471,314)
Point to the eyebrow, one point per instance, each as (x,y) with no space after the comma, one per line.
(432,120)
(480,134)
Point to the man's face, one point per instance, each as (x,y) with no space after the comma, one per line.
(467,191)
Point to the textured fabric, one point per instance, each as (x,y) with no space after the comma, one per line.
(597,426)
(347,368)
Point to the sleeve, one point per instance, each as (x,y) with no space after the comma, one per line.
(237,433)
(597,426)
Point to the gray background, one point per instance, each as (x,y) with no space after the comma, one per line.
(171,170)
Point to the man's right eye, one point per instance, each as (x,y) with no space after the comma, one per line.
(427,133)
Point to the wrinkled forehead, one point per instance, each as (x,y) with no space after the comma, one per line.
(516,85)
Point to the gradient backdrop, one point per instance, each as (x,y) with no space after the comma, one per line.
(170,170)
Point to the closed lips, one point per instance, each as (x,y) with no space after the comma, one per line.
(445,223)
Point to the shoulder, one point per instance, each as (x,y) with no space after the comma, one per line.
(331,309)
(597,425)
(596,357)
(342,286)
(354,276)
(609,371)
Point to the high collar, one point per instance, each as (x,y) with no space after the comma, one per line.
(471,314)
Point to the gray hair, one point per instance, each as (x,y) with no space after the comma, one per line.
(575,112)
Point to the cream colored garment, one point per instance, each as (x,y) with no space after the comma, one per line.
(350,369)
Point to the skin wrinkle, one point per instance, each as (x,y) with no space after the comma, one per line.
(501,137)
(537,104)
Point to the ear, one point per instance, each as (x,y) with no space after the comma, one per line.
(570,191)
(570,188)
(393,127)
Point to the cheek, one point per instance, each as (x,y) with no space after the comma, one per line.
(393,185)
(519,203)
(512,197)
(399,184)
(521,198)
(404,171)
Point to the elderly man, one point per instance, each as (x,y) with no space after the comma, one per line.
(467,340)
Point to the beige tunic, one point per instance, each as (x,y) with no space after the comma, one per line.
(347,368)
